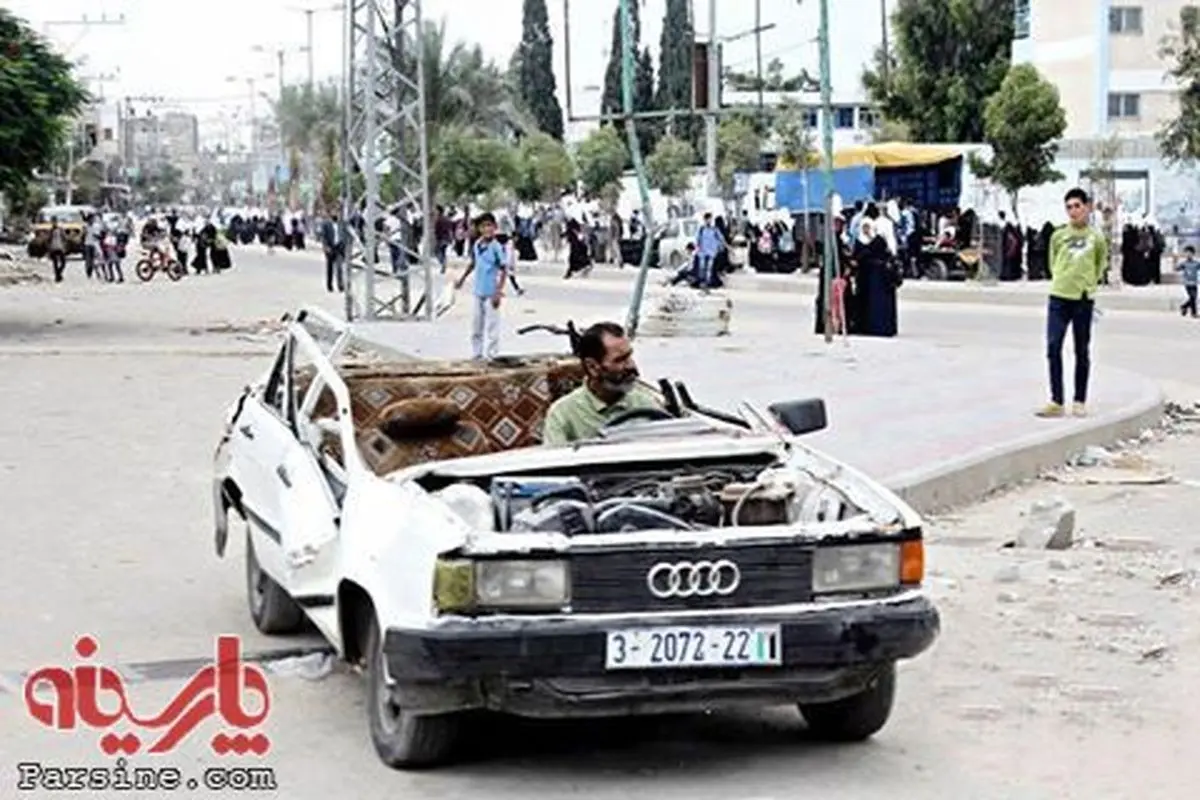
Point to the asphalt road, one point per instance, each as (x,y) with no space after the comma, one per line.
(112,404)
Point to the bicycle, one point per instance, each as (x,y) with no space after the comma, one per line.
(152,261)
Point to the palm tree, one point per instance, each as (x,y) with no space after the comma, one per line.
(464,92)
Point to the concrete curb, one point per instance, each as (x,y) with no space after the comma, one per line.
(968,480)
(1166,297)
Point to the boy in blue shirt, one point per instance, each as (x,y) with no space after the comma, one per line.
(490,265)
(1190,268)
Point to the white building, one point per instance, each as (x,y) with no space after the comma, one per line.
(1103,55)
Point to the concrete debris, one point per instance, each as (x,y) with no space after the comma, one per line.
(1156,653)
(1183,577)
(1009,573)
(311,667)
(1049,525)
(1092,456)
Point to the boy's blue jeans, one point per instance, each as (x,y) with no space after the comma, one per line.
(1062,314)
(1189,305)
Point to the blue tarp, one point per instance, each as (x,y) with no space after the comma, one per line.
(928,186)
(850,183)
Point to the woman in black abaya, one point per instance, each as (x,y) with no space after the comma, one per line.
(876,284)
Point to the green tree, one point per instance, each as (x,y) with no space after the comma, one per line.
(160,185)
(669,167)
(950,56)
(795,146)
(1179,137)
(773,80)
(38,96)
(675,70)
(538,88)
(644,100)
(545,169)
(1023,122)
(612,100)
(739,147)
(601,159)
(468,165)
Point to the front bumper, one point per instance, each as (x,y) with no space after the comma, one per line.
(556,668)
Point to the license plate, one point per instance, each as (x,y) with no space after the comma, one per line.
(662,648)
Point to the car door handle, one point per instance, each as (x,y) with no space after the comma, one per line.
(282,472)
(246,431)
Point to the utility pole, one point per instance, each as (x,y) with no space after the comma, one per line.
(628,68)
(310,13)
(758,29)
(84,23)
(714,101)
(887,53)
(830,265)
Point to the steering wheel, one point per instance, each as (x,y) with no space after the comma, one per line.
(632,415)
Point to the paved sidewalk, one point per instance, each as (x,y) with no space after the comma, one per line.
(944,424)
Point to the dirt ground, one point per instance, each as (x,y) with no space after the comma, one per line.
(1076,669)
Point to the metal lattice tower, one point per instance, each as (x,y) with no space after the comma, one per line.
(383,136)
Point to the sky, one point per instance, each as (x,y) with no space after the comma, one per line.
(189,50)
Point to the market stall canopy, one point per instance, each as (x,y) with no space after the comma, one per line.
(893,155)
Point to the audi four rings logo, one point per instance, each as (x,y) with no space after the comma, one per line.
(693,579)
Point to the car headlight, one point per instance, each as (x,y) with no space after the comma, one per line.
(498,585)
(856,568)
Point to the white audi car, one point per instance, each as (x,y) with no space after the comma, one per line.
(684,559)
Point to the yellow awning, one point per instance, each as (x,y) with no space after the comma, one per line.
(893,154)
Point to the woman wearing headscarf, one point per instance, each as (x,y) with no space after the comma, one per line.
(876,283)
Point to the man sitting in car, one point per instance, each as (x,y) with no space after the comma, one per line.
(610,389)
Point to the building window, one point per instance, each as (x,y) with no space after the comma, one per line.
(1023,20)
(843,117)
(810,118)
(1124,106)
(1125,19)
(868,118)
(108,134)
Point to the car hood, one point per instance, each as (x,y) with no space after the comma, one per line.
(883,507)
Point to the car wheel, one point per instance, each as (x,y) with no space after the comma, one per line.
(403,740)
(274,611)
(144,270)
(854,718)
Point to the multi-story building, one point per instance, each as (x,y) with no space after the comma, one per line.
(154,139)
(1103,55)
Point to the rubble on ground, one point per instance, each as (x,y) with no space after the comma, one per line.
(1049,525)
(17,269)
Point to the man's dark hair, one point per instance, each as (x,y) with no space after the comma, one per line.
(1191,251)
(591,341)
(485,218)
(1077,194)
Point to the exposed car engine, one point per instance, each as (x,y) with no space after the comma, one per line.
(737,496)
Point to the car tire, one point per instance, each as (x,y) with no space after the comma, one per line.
(402,740)
(857,717)
(273,610)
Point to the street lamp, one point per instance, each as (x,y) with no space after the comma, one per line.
(309,13)
(280,52)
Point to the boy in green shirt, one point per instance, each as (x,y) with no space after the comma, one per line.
(1078,260)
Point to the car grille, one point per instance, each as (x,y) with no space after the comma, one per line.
(614,582)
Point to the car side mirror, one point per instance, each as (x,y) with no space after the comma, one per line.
(801,416)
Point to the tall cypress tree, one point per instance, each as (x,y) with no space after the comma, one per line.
(675,67)
(538,89)
(612,101)
(644,100)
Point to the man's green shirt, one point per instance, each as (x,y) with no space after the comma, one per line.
(1078,258)
(580,414)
